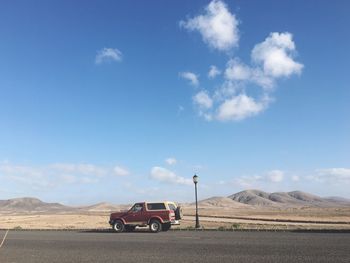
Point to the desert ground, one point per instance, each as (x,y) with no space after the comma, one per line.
(251,209)
(100,221)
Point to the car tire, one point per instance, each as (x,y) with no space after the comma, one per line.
(155,226)
(118,226)
(166,226)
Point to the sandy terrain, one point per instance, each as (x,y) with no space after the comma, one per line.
(209,218)
(250,209)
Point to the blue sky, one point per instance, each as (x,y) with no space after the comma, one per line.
(123,101)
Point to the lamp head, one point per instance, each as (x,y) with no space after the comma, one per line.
(195,179)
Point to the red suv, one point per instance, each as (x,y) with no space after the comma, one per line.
(159,216)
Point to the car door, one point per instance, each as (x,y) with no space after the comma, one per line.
(135,214)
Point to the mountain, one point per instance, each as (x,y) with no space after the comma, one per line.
(104,207)
(34,205)
(244,199)
(253,197)
(339,200)
(289,199)
(218,201)
(28,204)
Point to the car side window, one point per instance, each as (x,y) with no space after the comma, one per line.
(136,208)
(156,206)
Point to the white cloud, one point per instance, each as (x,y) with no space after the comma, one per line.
(213,72)
(271,59)
(247,181)
(166,176)
(204,103)
(121,171)
(80,168)
(43,177)
(11,169)
(171,161)
(275,176)
(236,70)
(340,172)
(261,79)
(295,178)
(240,107)
(190,76)
(332,175)
(108,55)
(218,27)
(258,180)
(227,90)
(203,100)
(276,55)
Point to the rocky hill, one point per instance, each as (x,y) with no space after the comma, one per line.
(34,205)
(286,199)
(248,199)
(29,204)
(218,201)
(104,207)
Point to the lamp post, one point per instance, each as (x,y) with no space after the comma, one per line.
(195,181)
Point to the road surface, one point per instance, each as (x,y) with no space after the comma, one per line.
(173,246)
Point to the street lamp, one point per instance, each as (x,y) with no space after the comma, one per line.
(195,181)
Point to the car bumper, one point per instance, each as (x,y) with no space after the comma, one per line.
(175,222)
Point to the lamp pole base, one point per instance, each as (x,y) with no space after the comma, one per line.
(197,222)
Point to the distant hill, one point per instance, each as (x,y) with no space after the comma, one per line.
(339,200)
(34,205)
(244,199)
(283,199)
(253,197)
(218,201)
(104,207)
(29,204)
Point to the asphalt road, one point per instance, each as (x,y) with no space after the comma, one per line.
(173,246)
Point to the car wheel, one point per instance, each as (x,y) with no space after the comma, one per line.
(155,226)
(118,226)
(166,226)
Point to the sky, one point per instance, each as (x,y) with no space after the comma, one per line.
(124,101)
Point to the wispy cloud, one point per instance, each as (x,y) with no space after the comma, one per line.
(166,176)
(56,174)
(108,55)
(80,168)
(248,181)
(203,100)
(331,175)
(295,178)
(213,72)
(171,161)
(217,25)
(275,176)
(191,77)
(121,171)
